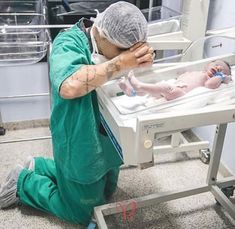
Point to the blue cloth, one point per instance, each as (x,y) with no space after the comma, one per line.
(219,75)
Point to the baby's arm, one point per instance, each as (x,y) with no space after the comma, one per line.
(213,82)
(216,80)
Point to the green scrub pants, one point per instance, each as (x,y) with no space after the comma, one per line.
(47,189)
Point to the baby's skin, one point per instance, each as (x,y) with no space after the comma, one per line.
(212,76)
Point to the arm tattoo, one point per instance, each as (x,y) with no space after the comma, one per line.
(113,67)
(87,78)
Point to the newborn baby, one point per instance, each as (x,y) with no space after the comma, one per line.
(214,73)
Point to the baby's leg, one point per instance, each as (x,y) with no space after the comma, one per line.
(126,87)
(173,92)
(154,90)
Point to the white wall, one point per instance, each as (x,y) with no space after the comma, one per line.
(19,80)
(175,5)
(221,14)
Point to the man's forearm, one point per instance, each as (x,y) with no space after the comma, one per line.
(88,78)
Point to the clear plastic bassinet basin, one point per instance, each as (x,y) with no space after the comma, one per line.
(22,38)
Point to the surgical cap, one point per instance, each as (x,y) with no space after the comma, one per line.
(123,24)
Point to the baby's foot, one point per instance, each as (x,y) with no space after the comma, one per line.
(126,87)
(135,84)
(133,81)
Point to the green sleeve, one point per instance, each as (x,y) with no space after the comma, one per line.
(69,53)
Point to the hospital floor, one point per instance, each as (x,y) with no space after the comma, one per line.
(171,171)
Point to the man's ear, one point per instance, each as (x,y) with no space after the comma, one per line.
(95,31)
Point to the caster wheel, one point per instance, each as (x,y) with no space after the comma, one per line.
(205,155)
(228,191)
(2,131)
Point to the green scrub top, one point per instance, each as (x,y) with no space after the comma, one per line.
(81,152)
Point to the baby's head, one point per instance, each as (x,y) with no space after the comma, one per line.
(218,66)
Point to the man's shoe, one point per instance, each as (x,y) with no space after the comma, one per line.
(9,188)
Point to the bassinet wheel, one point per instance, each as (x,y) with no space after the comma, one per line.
(2,131)
(205,155)
(228,191)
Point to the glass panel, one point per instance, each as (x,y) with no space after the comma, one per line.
(22,44)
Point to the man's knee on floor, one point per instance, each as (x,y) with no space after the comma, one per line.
(84,212)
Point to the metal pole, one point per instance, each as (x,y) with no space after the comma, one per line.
(25,140)
(150,10)
(216,153)
(2,27)
(23,96)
